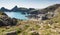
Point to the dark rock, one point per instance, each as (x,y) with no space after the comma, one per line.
(11,33)
(1,23)
(31,8)
(8,27)
(7,21)
(44,18)
(15,9)
(4,9)
(35,33)
(14,21)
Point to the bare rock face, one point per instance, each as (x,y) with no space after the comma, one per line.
(6,21)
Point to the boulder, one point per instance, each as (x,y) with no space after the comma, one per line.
(34,33)
(6,21)
(11,33)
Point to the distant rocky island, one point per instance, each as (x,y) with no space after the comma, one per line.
(16,9)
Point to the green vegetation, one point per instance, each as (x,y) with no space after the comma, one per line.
(29,27)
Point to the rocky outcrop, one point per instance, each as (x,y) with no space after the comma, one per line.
(34,33)
(11,33)
(47,13)
(4,9)
(51,8)
(6,21)
(17,9)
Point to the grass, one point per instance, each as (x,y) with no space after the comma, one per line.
(27,27)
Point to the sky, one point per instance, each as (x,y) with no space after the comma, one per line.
(9,4)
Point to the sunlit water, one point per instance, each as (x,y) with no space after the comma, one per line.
(17,15)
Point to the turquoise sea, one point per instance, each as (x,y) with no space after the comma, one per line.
(17,15)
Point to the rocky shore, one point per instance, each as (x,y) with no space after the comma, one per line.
(49,25)
(5,20)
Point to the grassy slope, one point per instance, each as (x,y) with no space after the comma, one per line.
(47,27)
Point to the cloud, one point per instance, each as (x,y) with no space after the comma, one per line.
(27,3)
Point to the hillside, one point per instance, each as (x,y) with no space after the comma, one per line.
(28,27)
(45,13)
(50,8)
(5,20)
